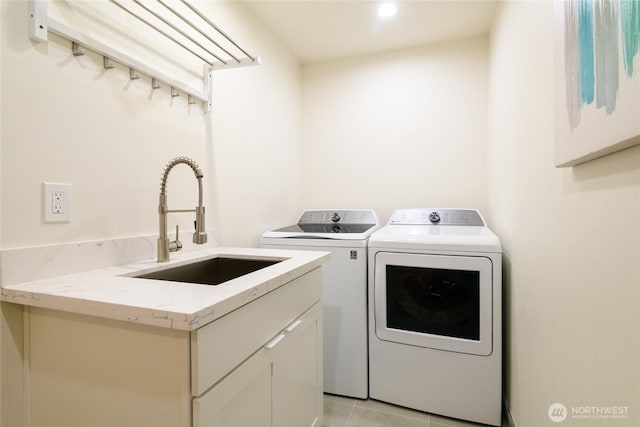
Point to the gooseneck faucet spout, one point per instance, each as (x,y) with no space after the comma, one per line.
(165,246)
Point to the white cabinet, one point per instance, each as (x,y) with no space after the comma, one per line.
(278,339)
(278,386)
(260,365)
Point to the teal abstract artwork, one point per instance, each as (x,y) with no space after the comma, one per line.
(586,51)
(630,16)
(592,29)
(597,78)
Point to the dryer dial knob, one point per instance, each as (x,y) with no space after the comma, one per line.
(335,217)
(434,217)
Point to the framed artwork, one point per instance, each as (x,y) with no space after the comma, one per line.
(597,69)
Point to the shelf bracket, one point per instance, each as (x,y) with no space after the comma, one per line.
(207,81)
(38,27)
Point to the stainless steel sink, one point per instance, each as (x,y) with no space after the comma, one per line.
(212,271)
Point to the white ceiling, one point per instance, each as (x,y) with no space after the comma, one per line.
(320,30)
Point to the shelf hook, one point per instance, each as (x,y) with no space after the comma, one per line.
(174,92)
(77,51)
(133,75)
(155,84)
(108,65)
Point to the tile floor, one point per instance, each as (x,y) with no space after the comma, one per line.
(346,412)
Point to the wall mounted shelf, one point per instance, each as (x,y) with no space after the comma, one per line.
(189,36)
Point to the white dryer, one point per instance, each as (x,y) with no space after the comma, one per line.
(344,233)
(435,314)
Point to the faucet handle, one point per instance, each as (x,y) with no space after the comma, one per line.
(176,245)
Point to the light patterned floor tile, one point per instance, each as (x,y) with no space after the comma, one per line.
(336,414)
(341,399)
(377,405)
(363,417)
(343,411)
(439,421)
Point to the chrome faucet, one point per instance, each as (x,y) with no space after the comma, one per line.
(200,235)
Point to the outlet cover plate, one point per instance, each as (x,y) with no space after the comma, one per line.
(56,202)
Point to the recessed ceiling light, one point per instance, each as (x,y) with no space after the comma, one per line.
(386,10)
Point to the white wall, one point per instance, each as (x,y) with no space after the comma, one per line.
(399,129)
(571,239)
(66,119)
(2,334)
(255,130)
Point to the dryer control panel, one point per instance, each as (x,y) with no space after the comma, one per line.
(434,216)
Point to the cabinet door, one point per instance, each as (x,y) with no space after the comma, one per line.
(297,374)
(242,399)
(278,386)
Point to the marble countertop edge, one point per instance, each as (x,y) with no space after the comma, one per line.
(111,293)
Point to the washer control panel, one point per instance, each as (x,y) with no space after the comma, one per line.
(353,216)
(431,216)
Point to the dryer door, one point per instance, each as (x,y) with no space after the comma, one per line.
(435,301)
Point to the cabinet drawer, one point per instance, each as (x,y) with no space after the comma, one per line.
(222,345)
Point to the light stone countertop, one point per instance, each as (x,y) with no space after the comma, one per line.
(110,293)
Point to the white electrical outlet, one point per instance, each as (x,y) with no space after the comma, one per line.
(56,202)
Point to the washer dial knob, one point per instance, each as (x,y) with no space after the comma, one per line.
(434,217)
(335,217)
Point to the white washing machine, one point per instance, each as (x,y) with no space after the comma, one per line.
(344,233)
(435,314)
